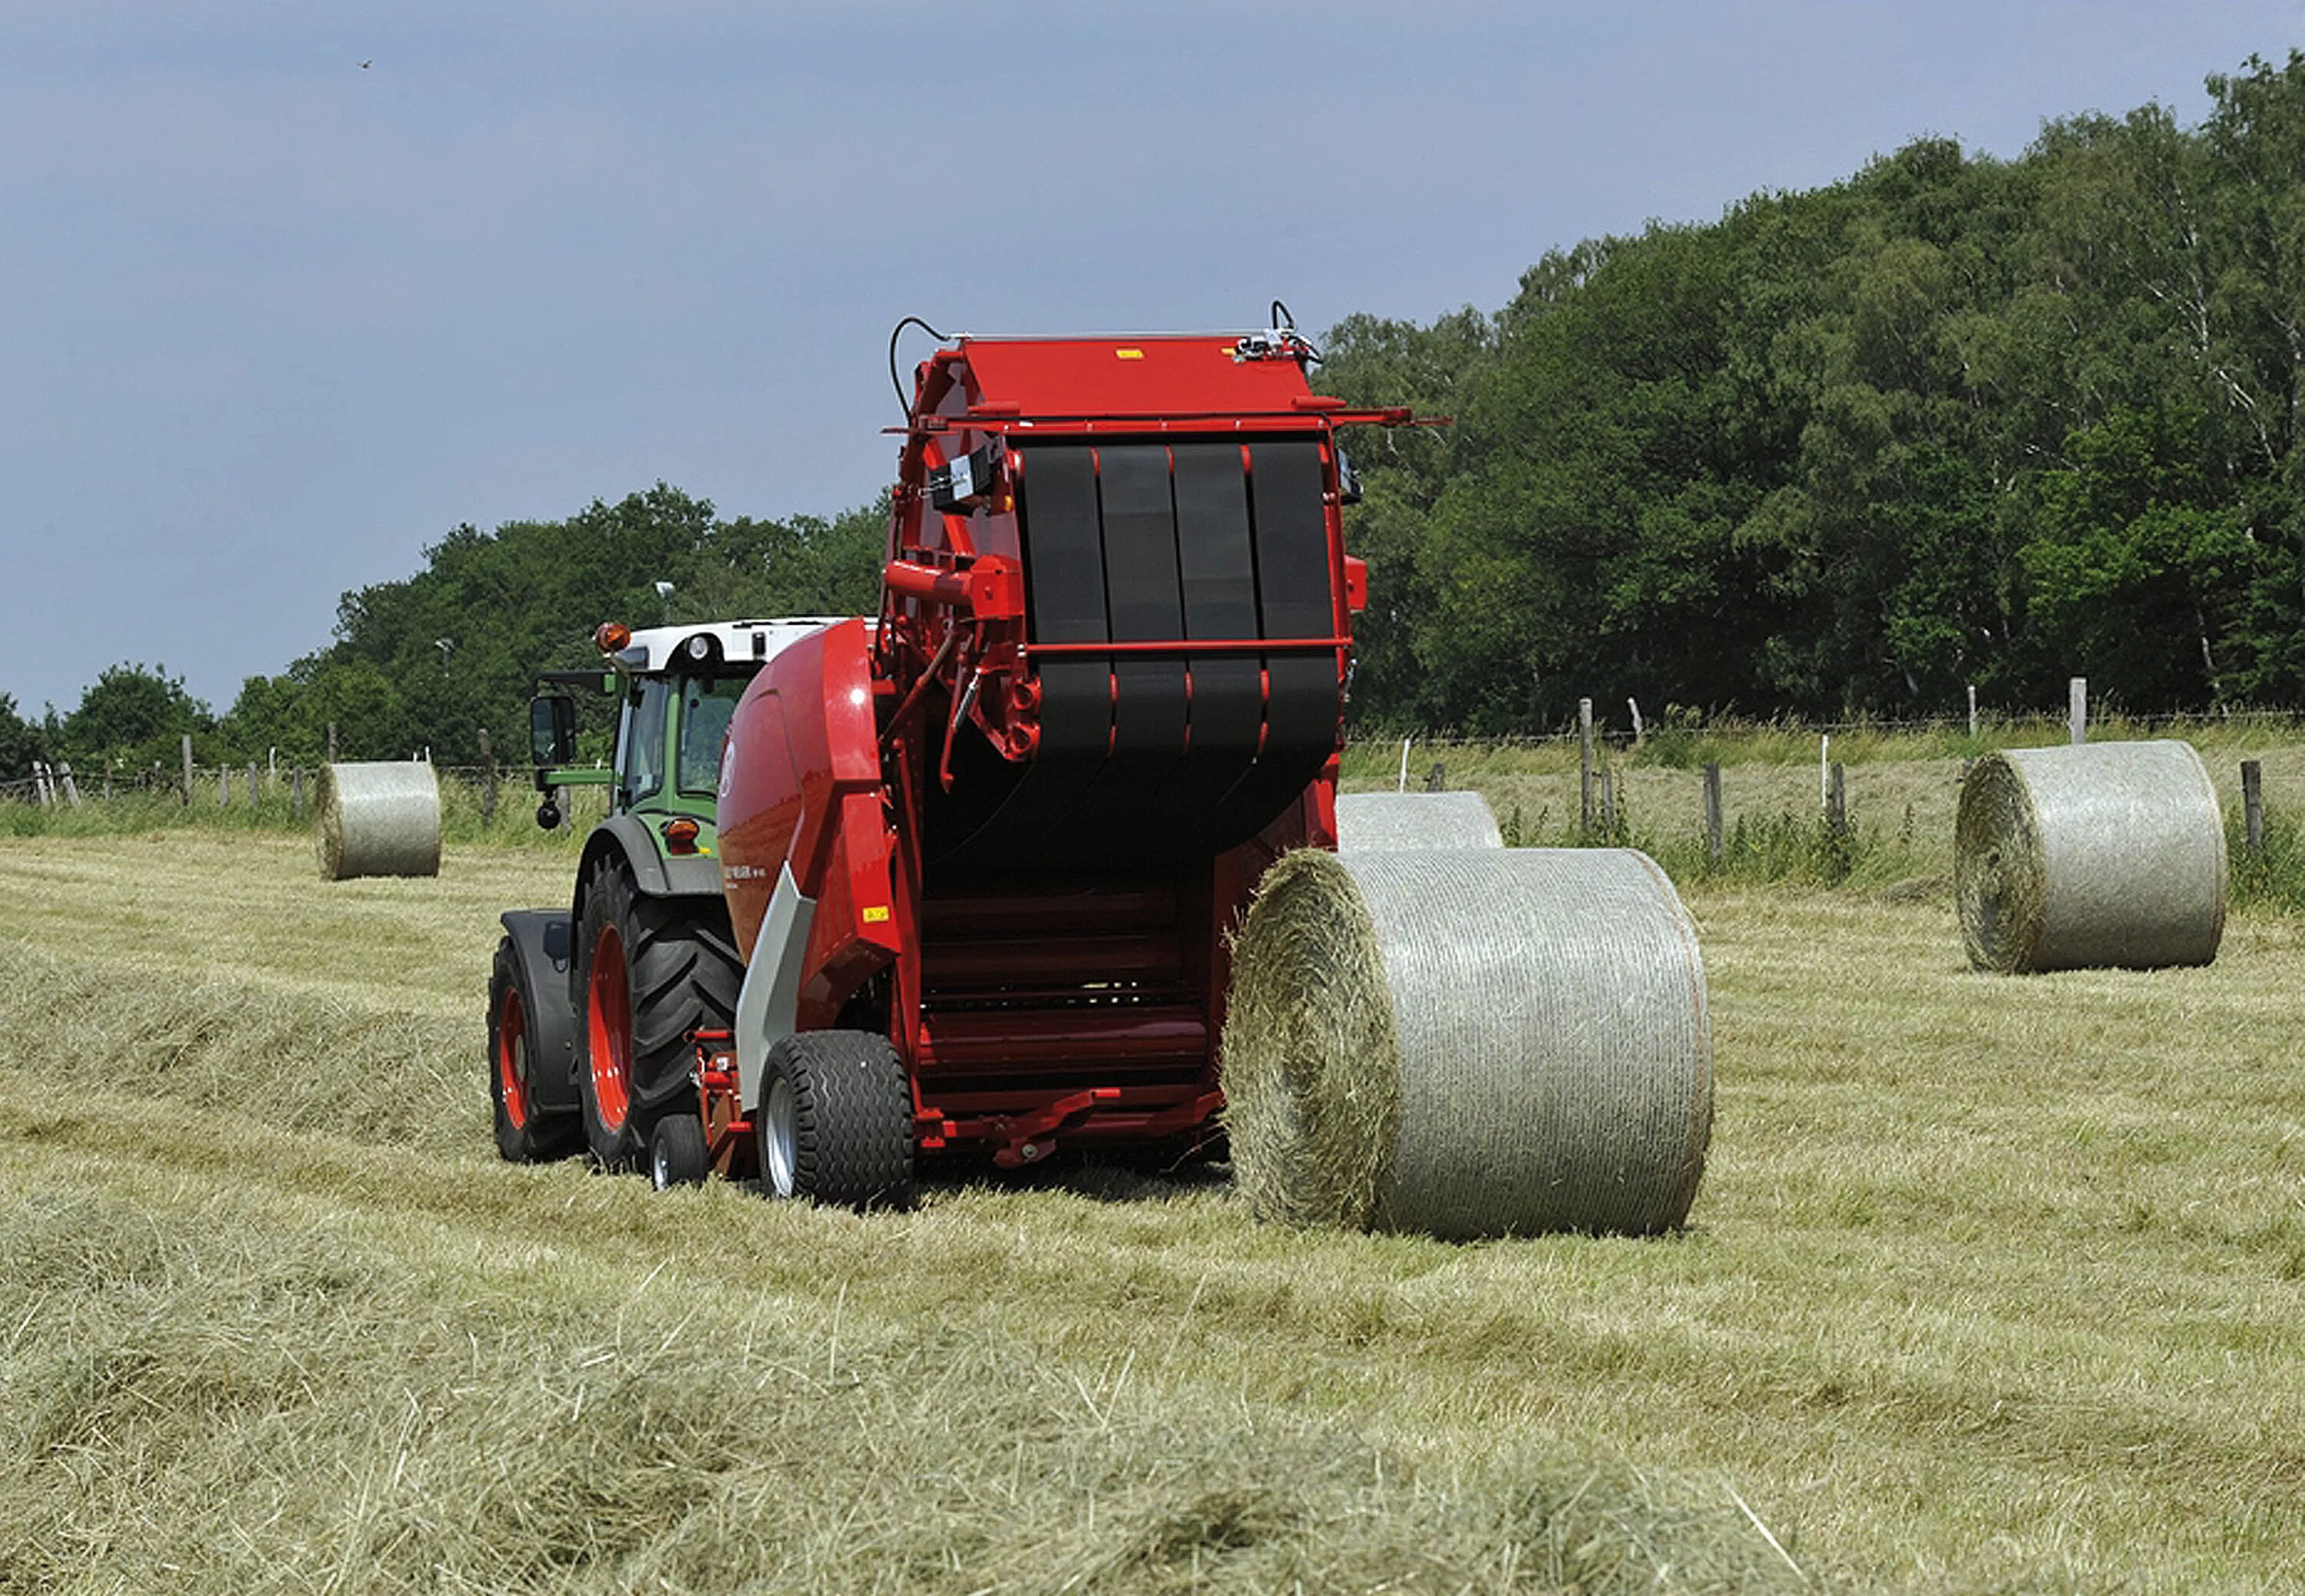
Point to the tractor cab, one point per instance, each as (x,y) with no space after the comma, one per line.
(677,688)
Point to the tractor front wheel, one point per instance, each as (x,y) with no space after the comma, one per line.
(525,1133)
(835,1121)
(650,973)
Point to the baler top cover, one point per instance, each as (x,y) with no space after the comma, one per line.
(1170,376)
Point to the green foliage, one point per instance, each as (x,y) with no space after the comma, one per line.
(134,716)
(1952,421)
(431,661)
(20,741)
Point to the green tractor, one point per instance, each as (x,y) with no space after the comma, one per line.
(593,1009)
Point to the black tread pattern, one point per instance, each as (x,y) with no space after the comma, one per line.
(853,1118)
(545,1137)
(681,962)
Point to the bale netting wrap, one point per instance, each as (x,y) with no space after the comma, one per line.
(379,819)
(1469,1042)
(2081,856)
(1388,822)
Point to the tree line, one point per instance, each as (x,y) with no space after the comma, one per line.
(1954,420)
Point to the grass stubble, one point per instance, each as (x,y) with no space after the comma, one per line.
(1994,1285)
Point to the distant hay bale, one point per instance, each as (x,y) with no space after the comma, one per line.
(1469,1042)
(1388,822)
(379,819)
(2104,854)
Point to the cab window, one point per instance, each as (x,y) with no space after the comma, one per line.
(641,749)
(706,708)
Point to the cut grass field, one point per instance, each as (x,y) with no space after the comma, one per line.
(1993,1286)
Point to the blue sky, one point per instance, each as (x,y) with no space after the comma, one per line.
(271,322)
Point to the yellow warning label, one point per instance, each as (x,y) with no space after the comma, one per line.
(874,914)
(1129,354)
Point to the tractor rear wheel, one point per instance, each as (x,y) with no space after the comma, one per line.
(650,973)
(835,1121)
(525,1133)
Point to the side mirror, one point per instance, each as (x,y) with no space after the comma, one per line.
(552,729)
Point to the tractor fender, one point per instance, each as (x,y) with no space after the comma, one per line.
(627,837)
(544,941)
(767,1006)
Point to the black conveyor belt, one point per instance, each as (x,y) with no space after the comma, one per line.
(1163,755)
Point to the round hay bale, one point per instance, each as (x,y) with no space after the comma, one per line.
(1469,1042)
(1388,822)
(379,819)
(2077,857)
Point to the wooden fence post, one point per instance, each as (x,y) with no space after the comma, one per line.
(187,789)
(40,783)
(488,780)
(296,792)
(1585,764)
(1634,704)
(1972,712)
(1712,812)
(1836,803)
(332,742)
(2252,807)
(71,787)
(2077,710)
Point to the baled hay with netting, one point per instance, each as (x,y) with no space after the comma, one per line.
(2105,854)
(381,818)
(1388,822)
(1474,1042)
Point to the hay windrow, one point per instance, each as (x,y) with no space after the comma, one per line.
(1388,822)
(1312,1081)
(1543,1061)
(2105,854)
(381,818)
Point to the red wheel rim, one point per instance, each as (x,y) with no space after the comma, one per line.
(608,1027)
(512,1059)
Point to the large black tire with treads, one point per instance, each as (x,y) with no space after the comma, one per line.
(650,973)
(526,1131)
(835,1121)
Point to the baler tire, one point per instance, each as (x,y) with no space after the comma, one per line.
(525,1133)
(677,1155)
(835,1121)
(675,972)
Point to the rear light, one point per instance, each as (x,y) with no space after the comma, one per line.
(679,836)
(611,637)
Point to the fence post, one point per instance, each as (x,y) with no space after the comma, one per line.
(1712,812)
(251,786)
(2252,807)
(1585,764)
(224,787)
(488,780)
(1634,704)
(186,789)
(2077,711)
(72,788)
(1609,804)
(107,780)
(332,742)
(1972,712)
(40,783)
(296,792)
(1402,784)
(1836,803)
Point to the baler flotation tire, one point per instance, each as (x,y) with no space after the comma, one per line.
(677,1156)
(526,1133)
(835,1121)
(650,973)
